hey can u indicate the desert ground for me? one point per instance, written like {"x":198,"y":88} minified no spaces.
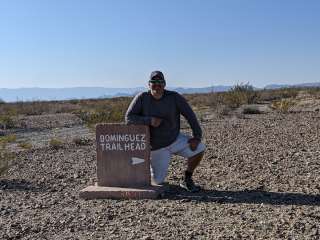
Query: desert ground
{"x":260,"y":178}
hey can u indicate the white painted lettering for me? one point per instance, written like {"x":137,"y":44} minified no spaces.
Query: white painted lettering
{"x":143,"y":146}
{"x":102,"y":146}
{"x":143,"y":137}
{"x":108,"y":147}
{"x":121,"y":138}
{"x":138,"y":147}
{"x":127,"y":146}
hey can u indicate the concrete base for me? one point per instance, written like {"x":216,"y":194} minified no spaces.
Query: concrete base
{"x":97,"y":192}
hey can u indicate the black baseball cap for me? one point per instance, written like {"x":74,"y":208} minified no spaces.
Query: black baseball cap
{"x":157,"y":76}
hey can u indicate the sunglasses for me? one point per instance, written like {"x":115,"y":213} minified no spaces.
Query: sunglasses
{"x":155,"y":81}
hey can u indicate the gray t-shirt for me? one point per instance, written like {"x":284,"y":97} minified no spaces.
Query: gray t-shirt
{"x":169,"y":107}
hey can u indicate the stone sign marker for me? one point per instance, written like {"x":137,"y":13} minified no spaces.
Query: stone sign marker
{"x":123,"y":163}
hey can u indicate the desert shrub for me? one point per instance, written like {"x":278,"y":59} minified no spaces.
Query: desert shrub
{"x":283,"y":105}
{"x":198,"y":100}
{"x":240,"y":94}
{"x":277,"y":94}
{"x":39,"y":107}
{"x":251,"y":110}
{"x":314,"y":92}
{"x":108,"y":115}
{"x":56,"y":143}
{"x":6,"y":122}
{"x":8,"y":139}
{"x":223,"y":110}
{"x":216,"y":100}
{"x":25,"y":145}
{"x":81,"y":141}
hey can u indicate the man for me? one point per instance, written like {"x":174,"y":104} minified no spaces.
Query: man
{"x":160,"y":109}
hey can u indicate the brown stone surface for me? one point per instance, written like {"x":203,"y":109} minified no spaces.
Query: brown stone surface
{"x":97,"y":192}
{"x":123,"y":155}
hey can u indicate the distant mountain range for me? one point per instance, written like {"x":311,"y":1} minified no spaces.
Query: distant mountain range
{"x":277,"y":86}
{"x":34,"y":94}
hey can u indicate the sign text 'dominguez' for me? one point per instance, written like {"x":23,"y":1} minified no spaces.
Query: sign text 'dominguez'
{"x":122,"y":142}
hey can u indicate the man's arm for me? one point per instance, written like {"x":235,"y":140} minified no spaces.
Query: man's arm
{"x":134,"y":112}
{"x":188,"y":113}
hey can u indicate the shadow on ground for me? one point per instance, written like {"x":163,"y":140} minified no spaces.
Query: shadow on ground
{"x":20,"y":185}
{"x":174,"y":192}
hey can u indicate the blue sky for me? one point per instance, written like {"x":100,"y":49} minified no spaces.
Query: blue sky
{"x":196,"y":43}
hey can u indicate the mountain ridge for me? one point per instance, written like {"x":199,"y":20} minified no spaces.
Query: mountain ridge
{"x":49,"y":94}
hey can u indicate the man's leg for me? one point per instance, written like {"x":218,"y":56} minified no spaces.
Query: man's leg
{"x":160,"y":160}
{"x":194,"y":161}
{"x":187,"y":182}
{"x":181,"y":147}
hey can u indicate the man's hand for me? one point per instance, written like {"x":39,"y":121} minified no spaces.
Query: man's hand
{"x":155,"y":122}
{"x":193,"y":143}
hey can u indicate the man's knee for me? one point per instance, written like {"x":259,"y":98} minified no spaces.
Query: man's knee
{"x":200,"y":150}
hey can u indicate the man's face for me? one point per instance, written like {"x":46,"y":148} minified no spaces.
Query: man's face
{"x":156,"y":87}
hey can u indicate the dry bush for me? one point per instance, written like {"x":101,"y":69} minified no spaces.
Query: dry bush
{"x":283,"y":105}
{"x":240,"y":94}
{"x":103,"y":110}
{"x":56,"y":143}
{"x":25,"y":145}
{"x":277,"y":94}
{"x":205,"y":99}
{"x":314,"y":92}
{"x":8,"y":139}
{"x":6,"y":122}
{"x":44,"y":107}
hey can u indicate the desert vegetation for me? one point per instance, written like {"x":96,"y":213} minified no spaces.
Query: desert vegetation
{"x":260,"y":172}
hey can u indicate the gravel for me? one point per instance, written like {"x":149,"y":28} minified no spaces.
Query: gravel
{"x":260,"y":176}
